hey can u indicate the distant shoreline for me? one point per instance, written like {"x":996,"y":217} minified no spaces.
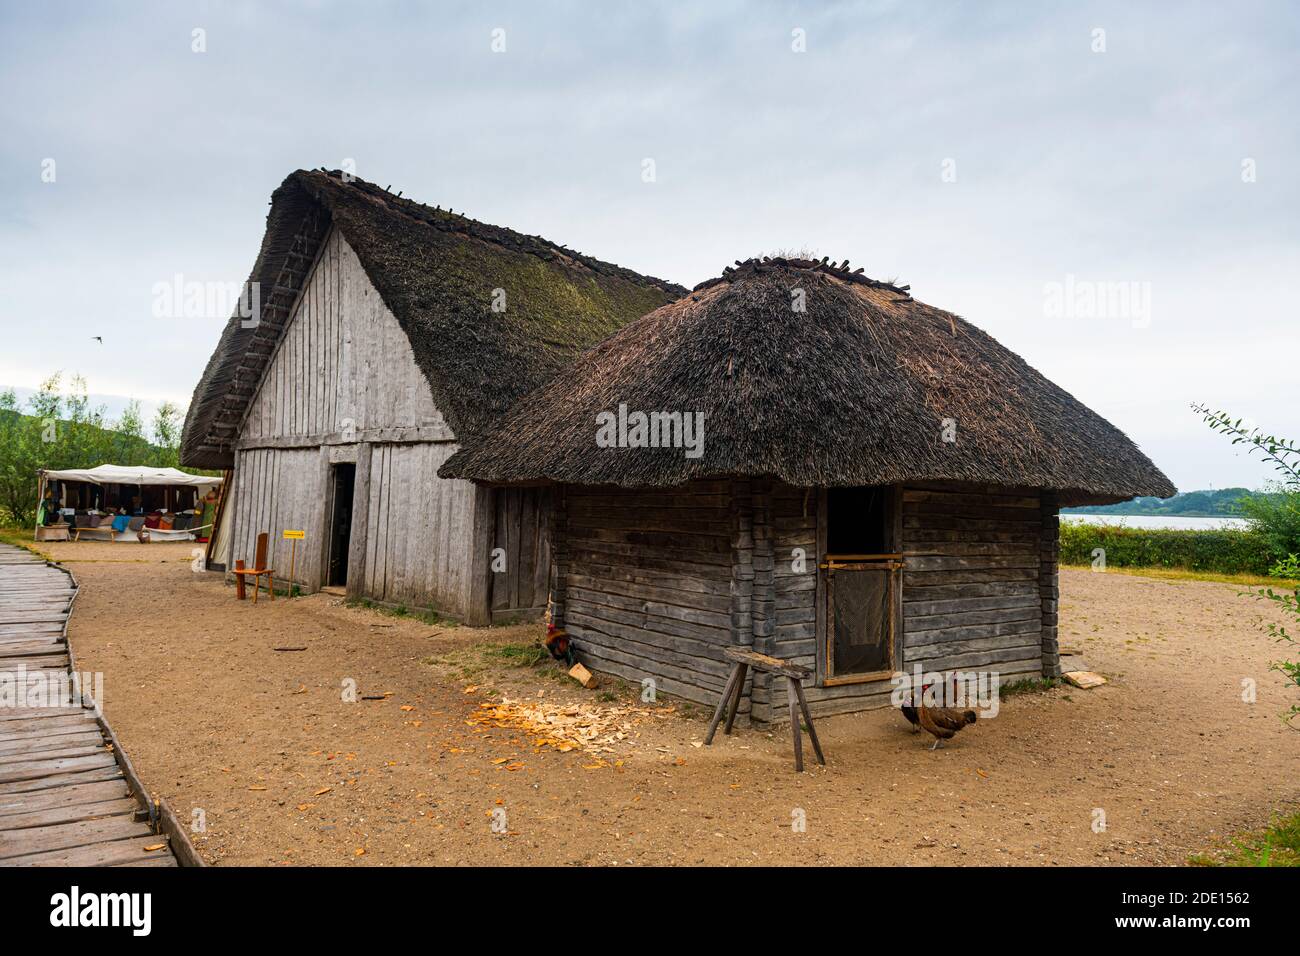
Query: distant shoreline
{"x":1149,"y":514}
{"x":1219,"y":503}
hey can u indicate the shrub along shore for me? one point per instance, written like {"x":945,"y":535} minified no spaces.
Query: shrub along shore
{"x":1218,"y":550}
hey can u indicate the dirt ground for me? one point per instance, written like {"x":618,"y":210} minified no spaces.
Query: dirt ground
{"x":285,"y":771}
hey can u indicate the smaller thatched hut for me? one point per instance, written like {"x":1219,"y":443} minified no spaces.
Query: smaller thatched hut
{"x":801,"y":459}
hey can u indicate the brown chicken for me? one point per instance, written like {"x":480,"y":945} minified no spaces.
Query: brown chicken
{"x":941,"y":722}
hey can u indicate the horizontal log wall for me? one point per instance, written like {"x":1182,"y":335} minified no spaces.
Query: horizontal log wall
{"x":971,"y":586}
{"x":1049,"y":583}
{"x":789,"y":521}
{"x":974,"y":595}
{"x":656,"y":583}
{"x":645,"y":584}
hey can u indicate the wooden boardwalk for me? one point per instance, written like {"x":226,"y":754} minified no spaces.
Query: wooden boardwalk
{"x":68,"y":796}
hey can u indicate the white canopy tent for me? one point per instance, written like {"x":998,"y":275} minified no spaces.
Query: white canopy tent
{"x":133,"y":475}
{"x":130,"y":475}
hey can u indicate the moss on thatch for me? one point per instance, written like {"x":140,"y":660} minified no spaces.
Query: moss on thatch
{"x":854,"y":390}
{"x":437,"y":271}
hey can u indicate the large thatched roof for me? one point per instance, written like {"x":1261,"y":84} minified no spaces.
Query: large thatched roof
{"x":852,"y":391}
{"x":436,"y":271}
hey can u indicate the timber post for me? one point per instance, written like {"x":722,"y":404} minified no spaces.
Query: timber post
{"x":1049,"y":546}
{"x":360,"y":523}
{"x":478,"y":613}
{"x":559,"y":555}
{"x":742,"y":582}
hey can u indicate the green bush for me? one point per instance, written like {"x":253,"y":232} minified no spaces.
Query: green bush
{"x":1288,"y":567}
{"x":1276,"y":519}
{"x":1224,"y":551}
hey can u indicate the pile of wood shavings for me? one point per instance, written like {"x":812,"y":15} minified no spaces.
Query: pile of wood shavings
{"x":566,"y":727}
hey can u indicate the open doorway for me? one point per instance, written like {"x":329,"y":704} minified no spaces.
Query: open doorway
{"x":344,"y":478}
{"x":861,"y":581}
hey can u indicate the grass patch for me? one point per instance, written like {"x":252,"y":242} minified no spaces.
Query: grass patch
{"x":477,"y":662}
{"x":518,"y":655}
{"x":1276,"y":845}
{"x":1185,"y":574}
{"x":22,"y":538}
{"x":1027,"y":685}
{"x":424,"y":615}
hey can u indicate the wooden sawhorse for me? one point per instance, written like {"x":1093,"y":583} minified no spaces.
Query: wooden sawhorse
{"x":742,"y":659}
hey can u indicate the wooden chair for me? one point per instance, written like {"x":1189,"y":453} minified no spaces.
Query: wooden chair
{"x":259,"y":568}
{"x":742,"y":659}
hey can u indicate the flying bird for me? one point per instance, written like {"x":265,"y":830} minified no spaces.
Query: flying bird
{"x":98,"y":338}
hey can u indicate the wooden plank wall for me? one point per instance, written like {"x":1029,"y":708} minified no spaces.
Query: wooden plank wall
{"x":419,"y":529}
{"x":977,"y":590}
{"x":971,"y":589}
{"x":275,"y":489}
{"x":343,"y":361}
{"x":343,"y":377}
{"x":1049,"y":550}
{"x":785,"y":519}
{"x":522,"y":532}
{"x":646,"y":583}
{"x":656,"y":583}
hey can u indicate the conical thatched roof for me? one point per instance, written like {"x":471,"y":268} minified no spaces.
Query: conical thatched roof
{"x":852,"y":391}
{"x":436,"y":271}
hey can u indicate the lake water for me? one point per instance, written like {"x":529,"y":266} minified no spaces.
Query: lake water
{"x":1158,"y":521}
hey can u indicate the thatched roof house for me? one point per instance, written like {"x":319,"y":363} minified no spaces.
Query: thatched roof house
{"x":827,"y":469}
{"x":436,"y":271}
{"x":386,"y":331}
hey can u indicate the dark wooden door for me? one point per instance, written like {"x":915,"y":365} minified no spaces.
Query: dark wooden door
{"x":345,"y":476}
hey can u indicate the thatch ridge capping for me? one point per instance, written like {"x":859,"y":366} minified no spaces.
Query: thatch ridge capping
{"x":448,"y":220}
{"x":825,"y":265}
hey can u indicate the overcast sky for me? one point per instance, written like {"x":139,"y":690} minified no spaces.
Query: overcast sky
{"x":1007,"y":160}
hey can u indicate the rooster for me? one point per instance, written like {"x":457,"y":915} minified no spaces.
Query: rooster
{"x":558,"y":643}
{"x":942,"y":723}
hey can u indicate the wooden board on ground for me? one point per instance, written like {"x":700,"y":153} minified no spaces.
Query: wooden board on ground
{"x":581,"y":675}
{"x":64,"y":798}
{"x":1085,"y":680}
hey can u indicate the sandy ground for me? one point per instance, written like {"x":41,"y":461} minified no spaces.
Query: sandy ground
{"x":285,"y":771}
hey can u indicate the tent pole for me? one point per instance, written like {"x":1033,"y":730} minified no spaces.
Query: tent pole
{"x":40,"y":496}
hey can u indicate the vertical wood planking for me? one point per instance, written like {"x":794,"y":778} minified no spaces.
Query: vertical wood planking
{"x":343,"y":361}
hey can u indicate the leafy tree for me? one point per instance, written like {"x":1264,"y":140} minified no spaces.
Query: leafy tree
{"x":130,"y":446}
{"x":1284,"y":456}
{"x":60,"y":428}
{"x":167,"y":425}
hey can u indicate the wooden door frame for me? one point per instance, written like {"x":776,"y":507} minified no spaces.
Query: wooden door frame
{"x":331,"y":468}
{"x":894,"y":555}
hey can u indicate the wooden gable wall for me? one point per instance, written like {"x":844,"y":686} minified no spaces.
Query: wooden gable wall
{"x":343,"y":366}
{"x":343,"y":387}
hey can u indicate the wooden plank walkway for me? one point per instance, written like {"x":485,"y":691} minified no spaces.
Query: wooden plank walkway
{"x":65,"y":798}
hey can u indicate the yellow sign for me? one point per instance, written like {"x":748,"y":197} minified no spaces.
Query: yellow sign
{"x":294,"y":534}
